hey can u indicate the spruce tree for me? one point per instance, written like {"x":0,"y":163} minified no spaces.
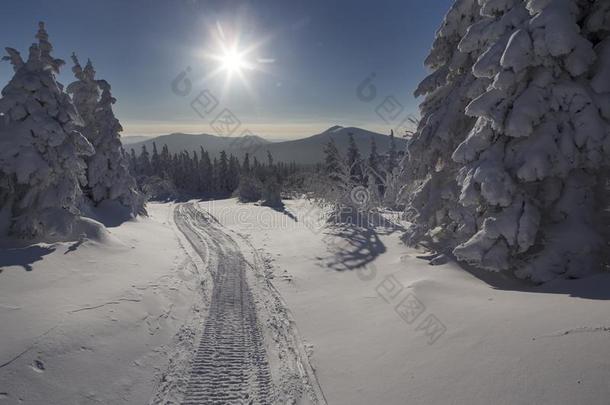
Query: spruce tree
{"x":249,"y":188}
{"x":332,"y":161}
{"x":196,"y":173}
{"x":515,"y":129}
{"x":164,"y":161}
{"x":155,"y":161}
{"x":144,"y":166}
{"x":354,"y":161}
{"x":42,"y":151}
{"x":108,"y":176}
{"x":271,"y":195}
{"x":374,"y":179}
{"x":133,"y":162}
{"x":245,"y":168}
{"x":433,"y":207}
{"x":532,"y":163}
{"x":373,"y":160}
{"x":233,"y":173}
{"x":216,"y":180}
{"x":223,"y":173}
{"x":392,"y":154}
{"x":207,"y":173}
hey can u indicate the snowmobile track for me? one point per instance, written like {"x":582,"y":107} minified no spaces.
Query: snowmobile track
{"x":230,"y":366}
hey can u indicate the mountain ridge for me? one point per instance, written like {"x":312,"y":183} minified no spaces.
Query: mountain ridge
{"x":308,"y":150}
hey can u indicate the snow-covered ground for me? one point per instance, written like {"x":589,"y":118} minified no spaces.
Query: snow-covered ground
{"x":119,"y":321}
{"x":95,"y":323}
{"x":401,"y":331}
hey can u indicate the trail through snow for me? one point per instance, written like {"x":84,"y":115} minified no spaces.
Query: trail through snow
{"x":232,"y":363}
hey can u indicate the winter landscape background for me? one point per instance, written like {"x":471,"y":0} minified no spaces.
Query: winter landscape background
{"x":307,"y":203}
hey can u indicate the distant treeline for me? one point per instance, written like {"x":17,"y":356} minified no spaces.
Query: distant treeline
{"x":169,"y":175}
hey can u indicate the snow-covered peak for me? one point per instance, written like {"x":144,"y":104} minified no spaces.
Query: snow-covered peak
{"x":335,"y":128}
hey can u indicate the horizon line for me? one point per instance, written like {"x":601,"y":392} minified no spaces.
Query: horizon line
{"x":278,"y":132}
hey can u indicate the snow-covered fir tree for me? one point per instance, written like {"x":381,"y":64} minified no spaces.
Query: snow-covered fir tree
{"x":108,"y":176}
{"x":392,"y":154}
{"x":533,"y":160}
{"x":529,"y":167}
{"x":249,"y":188}
{"x":155,"y":160}
{"x":234,"y":168}
{"x":224,"y":182}
{"x":354,"y":160}
{"x":374,"y":177}
{"x":207,"y":172}
{"x":41,"y":148}
{"x":332,"y":160}
{"x":271,"y":195}
{"x":143,"y":163}
{"x":245,"y":168}
{"x":431,"y":173}
{"x":133,"y":162}
{"x":373,"y":159}
{"x":269,"y":160}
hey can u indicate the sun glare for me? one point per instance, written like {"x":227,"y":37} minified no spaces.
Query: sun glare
{"x":233,"y":61}
{"x":234,"y":56}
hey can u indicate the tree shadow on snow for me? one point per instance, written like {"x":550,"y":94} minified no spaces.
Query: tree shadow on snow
{"x":73,"y":247}
{"x":282,"y":209}
{"x":354,"y":238}
{"x":23,"y":256}
{"x":594,"y":287}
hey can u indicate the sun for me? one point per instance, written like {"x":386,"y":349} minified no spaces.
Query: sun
{"x":233,"y":61}
{"x":235,"y":56}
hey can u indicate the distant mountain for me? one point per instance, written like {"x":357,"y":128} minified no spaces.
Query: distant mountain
{"x":310,"y":150}
{"x":177,"y":142}
{"x":128,"y":140}
{"x":303,"y":151}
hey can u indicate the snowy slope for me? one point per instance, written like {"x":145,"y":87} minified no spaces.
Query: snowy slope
{"x":98,"y":323}
{"x":95,"y":323}
{"x":506,"y":342}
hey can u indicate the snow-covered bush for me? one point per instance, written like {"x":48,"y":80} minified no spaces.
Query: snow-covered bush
{"x":159,"y":188}
{"x":343,"y":196}
{"x":391,"y":190}
{"x":249,"y":189}
{"x":530,"y":166}
{"x":271,"y":195}
{"x":108,"y":168}
{"x":41,"y":148}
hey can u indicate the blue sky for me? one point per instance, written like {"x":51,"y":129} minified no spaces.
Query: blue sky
{"x":310,"y":58}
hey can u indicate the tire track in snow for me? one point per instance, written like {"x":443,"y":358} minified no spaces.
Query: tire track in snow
{"x":231,"y":365}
